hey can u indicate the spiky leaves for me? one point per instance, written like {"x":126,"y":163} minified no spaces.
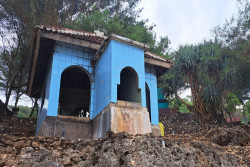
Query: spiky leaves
{"x":210,"y":73}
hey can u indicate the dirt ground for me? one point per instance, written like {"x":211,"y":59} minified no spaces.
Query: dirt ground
{"x":216,"y":147}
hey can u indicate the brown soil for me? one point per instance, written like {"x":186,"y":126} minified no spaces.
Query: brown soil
{"x":229,"y":137}
{"x":219,"y":147}
{"x":19,"y":127}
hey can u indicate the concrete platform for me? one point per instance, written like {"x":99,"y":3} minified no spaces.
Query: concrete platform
{"x":121,"y":117}
{"x":124,"y":116}
{"x":67,"y":126}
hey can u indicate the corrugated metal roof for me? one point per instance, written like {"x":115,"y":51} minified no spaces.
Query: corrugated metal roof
{"x":84,"y":35}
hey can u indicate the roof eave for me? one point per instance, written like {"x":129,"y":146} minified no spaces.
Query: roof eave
{"x":67,"y":39}
{"x":154,"y":62}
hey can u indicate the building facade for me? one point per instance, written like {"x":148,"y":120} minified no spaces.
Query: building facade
{"x":89,"y":84}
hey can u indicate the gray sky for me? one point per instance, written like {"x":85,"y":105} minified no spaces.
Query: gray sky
{"x":187,"y":21}
{"x":183,"y":21}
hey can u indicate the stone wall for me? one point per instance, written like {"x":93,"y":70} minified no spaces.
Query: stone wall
{"x":20,"y":149}
{"x":181,"y":123}
{"x":115,"y":150}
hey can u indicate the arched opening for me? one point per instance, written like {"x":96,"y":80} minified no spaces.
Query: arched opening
{"x":74,"y":98}
{"x":148,"y":99}
{"x":128,"y":88}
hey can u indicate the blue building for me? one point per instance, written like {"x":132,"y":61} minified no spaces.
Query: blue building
{"x":89,"y":84}
{"x":162,"y":103}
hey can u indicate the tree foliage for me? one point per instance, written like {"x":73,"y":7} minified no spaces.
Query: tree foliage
{"x":109,"y":23}
{"x":213,"y":70}
{"x":17,"y":20}
{"x":208,"y":70}
{"x":232,"y":102}
{"x":235,"y":34}
{"x":24,"y":112}
{"x":176,"y":103}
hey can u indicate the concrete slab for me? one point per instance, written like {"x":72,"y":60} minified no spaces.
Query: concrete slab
{"x":66,"y":126}
{"x":122,"y":117}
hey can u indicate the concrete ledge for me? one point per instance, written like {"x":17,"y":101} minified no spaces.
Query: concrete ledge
{"x":132,"y":120}
{"x":73,"y":119}
{"x":70,"y":128}
{"x":122,"y":117}
{"x":101,"y":123}
{"x":126,"y":104}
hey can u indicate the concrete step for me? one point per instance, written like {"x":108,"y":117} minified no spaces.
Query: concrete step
{"x":67,"y":127}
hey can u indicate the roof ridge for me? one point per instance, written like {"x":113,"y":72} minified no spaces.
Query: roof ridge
{"x":69,"y":31}
{"x":100,"y":39}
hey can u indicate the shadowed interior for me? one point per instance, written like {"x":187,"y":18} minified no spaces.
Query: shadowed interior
{"x":74,"y":99}
{"x":128,"y":88}
{"x":148,"y":100}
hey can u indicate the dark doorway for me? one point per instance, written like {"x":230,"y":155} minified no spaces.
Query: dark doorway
{"x":148,"y":99}
{"x":74,"y":98}
{"x":128,"y":88}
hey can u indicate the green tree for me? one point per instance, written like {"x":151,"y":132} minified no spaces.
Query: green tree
{"x":176,"y":103}
{"x":13,"y":70}
{"x":24,"y":112}
{"x":17,"y":20}
{"x":235,"y":35}
{"x":232,"y":102}
{"x":208,"y":71}
{"x":247,"y":107}
{"x":112,"y":23}
{"x":246,"y":111}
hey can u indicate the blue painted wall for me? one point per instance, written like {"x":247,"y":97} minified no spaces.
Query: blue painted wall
{"x":162,"y":103}
{"x":102,"y":81}
{"x":151,"y":80}
{"x":44,"y":100}
{"x":124,"y":55}
{"x":160,"y":94}
{"x":66,"y":55}
{"x":116,"y":57}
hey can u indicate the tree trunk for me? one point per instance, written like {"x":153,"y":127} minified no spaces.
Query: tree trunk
{"x":7,"y":102}
{"x":19,"y":93}
{"x":244,"y":113}
{"x":230,"y":115}
{"x":33,"y":108}
{"x":16,"y":102}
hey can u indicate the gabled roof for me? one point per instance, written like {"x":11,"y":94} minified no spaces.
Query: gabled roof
{"x":95,"y":38}
{"x":82,"y":35}
{"x":44,"y":42}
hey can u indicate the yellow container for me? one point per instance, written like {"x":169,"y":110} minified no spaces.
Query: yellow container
{"x":161,"y":128}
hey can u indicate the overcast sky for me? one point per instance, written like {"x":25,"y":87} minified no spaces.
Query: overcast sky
{"x":183,"y":21}
{"x":187,"y":21}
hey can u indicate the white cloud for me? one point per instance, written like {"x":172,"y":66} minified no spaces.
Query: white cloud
{"x":187,"y":21}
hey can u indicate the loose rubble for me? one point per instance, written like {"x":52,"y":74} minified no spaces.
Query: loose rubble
{"x":229,"y":136}
{"x":125,"y":150}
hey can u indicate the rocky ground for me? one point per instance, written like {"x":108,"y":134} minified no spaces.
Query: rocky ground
{"x":217,"y":147}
